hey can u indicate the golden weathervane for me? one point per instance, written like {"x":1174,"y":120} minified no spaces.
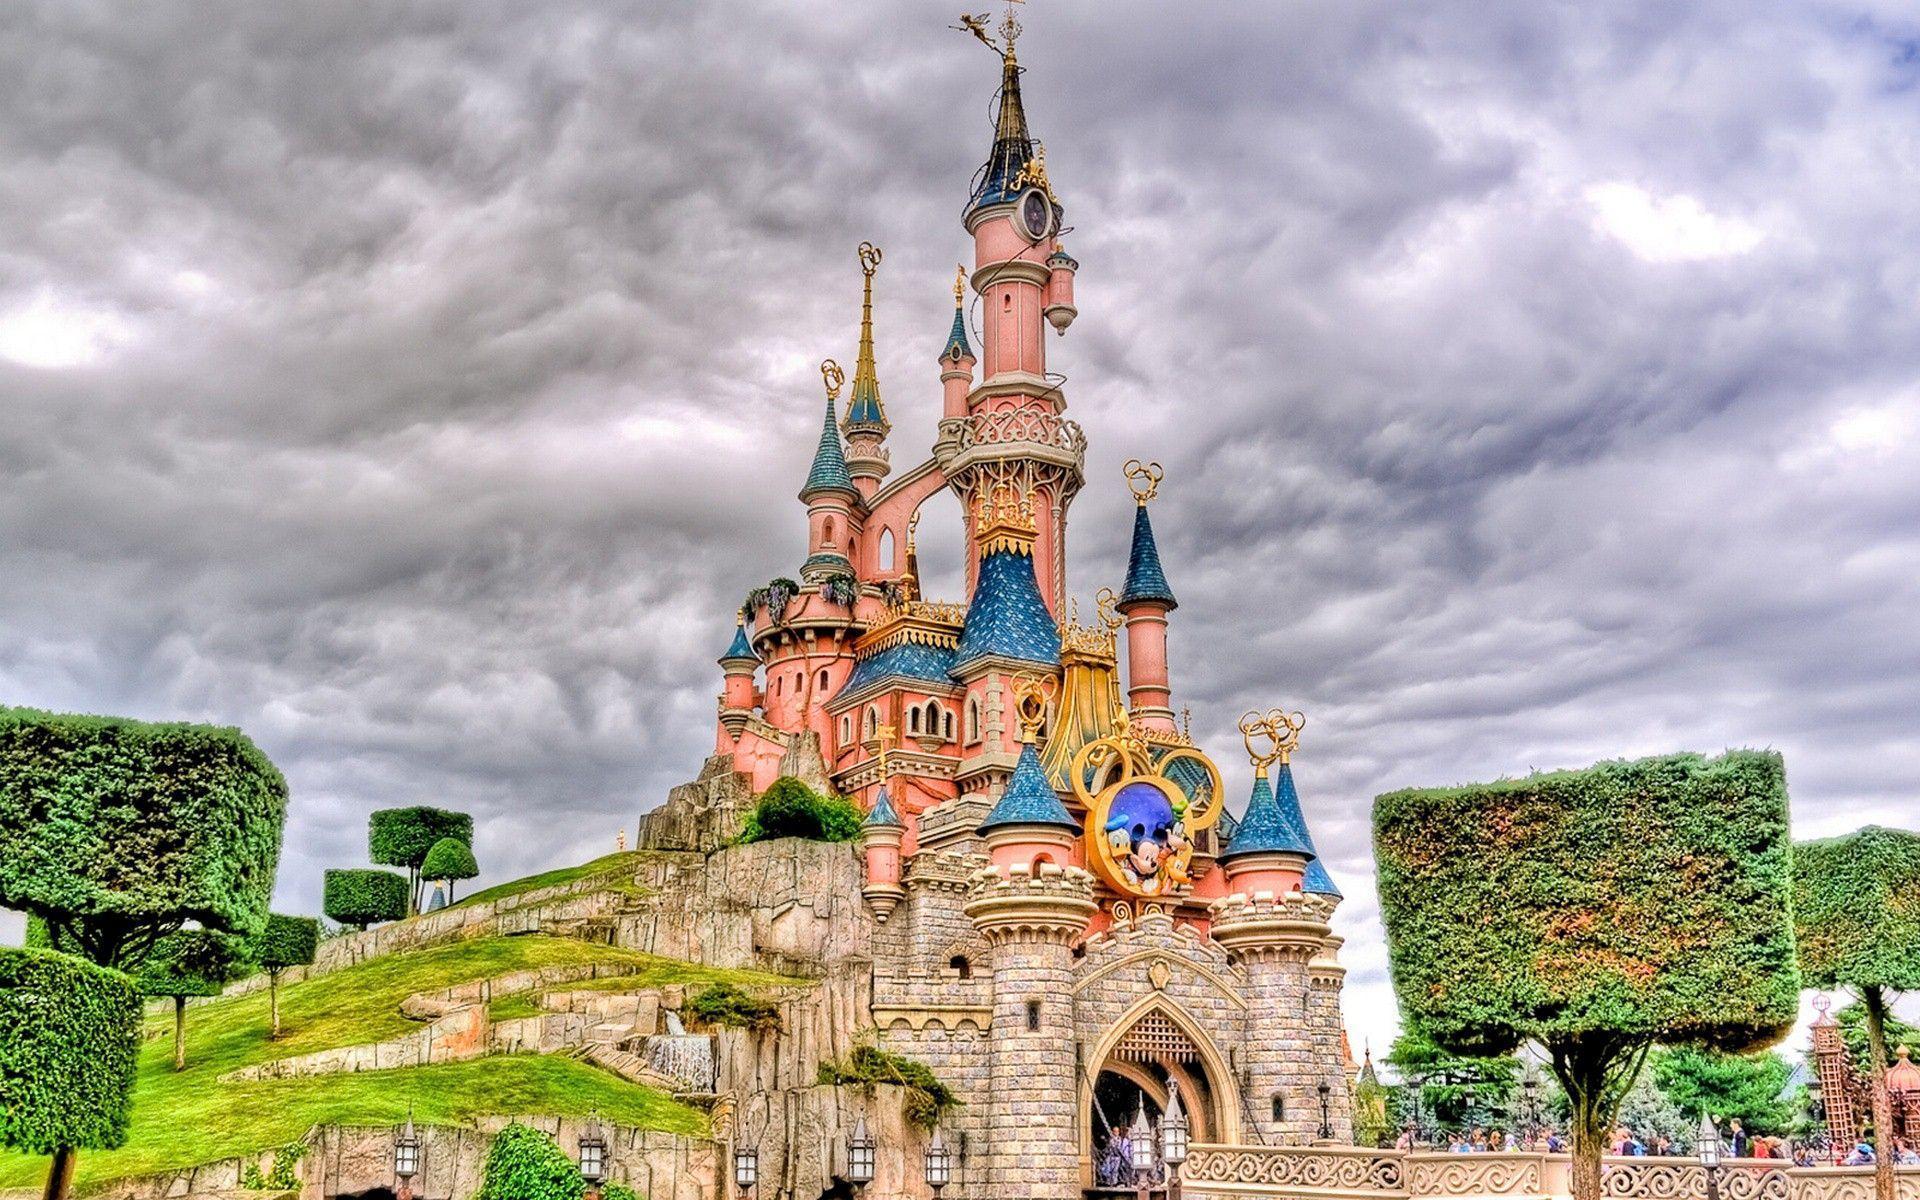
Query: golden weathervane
{"x":1010,"y":30}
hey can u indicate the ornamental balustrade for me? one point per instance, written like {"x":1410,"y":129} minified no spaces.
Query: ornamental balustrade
{"x":1339,"y":1172}
{"x":1014,"y":425}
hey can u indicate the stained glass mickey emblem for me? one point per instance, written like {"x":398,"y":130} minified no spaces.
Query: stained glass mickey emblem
{"x":1141,"y":818}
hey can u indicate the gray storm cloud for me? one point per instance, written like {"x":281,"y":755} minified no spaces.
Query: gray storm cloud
{"x":1536,"y":383}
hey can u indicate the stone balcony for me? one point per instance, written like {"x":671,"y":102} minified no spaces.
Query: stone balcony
{"x":1350,"y":1173}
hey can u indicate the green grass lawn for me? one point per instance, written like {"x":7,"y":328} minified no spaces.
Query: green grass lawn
{"x":655,"y":972}
{"x":184,"y":1119}
{"x":617,"y":867}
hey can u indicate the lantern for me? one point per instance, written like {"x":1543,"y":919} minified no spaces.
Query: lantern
{"x":593,"y":1152}
{"x":746,"y":1168}
{"x":860,"y":1155}
{"x":1173,"y":1131}
{"x":939,"y":1163}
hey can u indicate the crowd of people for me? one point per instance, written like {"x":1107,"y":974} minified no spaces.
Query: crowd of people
{"x":1736,"y":1143}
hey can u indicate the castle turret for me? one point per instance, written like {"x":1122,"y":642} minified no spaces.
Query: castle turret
{"x":1029,"y":826}
{"x":1060,"y":311}
{"x":880,"y":837}
{"x":737,"y":692}
{"x":866,"y":426}
{"x":956,"y":357}
{"x":1270,"y":851}
{"x":829,"y":494}
{"x":1145,"y":602}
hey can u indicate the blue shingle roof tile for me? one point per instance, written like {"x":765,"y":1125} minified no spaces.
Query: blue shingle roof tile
{"x":1029,"y":798}
{"x":1006,"y":616}
{"x":882,"y":815}
{"x":1318,"y":883}
{"x":741,"y":647}
{"x":1145,"y":579}
{"x":829,"y":473}
{"x":957,"y":346}
{"x":1272,"y":823}
{"x":908,"y":660}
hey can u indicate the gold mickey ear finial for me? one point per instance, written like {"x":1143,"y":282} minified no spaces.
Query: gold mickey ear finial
{"x":1144,"y":478}
{"x":1270,"y":737}
{"x":1030,"y":702}
{"x":833,"y":376}
{"x":869,"y":259}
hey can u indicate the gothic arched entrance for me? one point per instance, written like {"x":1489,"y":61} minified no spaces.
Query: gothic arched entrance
{"x":1152,"y":1052}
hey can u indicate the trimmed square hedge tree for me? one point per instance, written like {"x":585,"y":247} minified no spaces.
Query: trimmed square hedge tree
{"x":361,"y":897}
{"x":403,"y":837}
{"x":1596,"y":913}
{"x":117,"y":832}
{"x":69,"y":1037}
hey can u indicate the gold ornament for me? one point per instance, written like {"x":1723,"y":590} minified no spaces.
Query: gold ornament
{"x":1143,"y":478}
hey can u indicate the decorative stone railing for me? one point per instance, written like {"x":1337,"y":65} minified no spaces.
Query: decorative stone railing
{"x":1014,"y":425}
{"x":1338,"y":1171}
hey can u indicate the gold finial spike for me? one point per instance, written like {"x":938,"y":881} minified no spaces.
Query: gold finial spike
{"x":1143,"y":478}
{"x":1270,"y":737}
{"x":1010,"y":28}
{"x":1030,"y":702}
{"x":959,"y":285}
{"x":833,"y":377}
{"x":881,"y":747}
{"x":913,"y":526}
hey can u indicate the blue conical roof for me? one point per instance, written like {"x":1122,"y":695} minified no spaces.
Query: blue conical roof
{"x":1145,"y":580}
{"x":741,"y":647}
{"x":1029,"y":798}
{"x":1006,"y":616}
{"x":1317,"y":882}
{"x":829,"y":471}
{"x":957,"y":346}
{"x":1012,"y":144}
{"x":882,"y":815}
{"x":1272,"y":823}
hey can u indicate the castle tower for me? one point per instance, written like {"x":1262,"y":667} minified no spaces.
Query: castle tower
{"x":956,"y":357}
{"x":1282,"y":939}
{"x":880,"y":837}
{"x":1030,"y":907}
{"x":1145,"y":602}
{"x":866,"y":426}
{"x":1008,"y":634}
{"x":829,"y":494}
{"x":1011,"y":432}
{"x":737,"y":695}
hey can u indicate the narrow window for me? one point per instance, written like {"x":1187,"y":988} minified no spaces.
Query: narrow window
{"x":913,"y":720}
{"x":973,"y":719}
{"x":1033,"y":1016}
{"x":961,"y":966}
{"x":823,"y":679}
{"x":886,"y":549}
{"x":1279,"y":1107}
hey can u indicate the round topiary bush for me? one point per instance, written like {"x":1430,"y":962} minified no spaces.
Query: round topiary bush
{"x":789,"y":808}
{"x":450,"y":859}
{"x":525,"y":1164}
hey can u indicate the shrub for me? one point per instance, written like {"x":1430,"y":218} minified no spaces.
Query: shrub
{"x":927,"y":1098}
{"x":1594,"y":912}
{"x":449,"y":860}
{"x":726,"y":1004}
{"x":279,"y":1178}
{"x":69,"y":1035}
{"x":402,"y":837}
{"x":525,"y":1164}
{"x":360,"y":898}
{"x":618,"y":1191}
{"x":790,"y":808}
{"x":117,"y":832}
{"x":193,"y":962}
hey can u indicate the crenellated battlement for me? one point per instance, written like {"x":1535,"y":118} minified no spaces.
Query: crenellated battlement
{"x":1020,"y":904}
{"x":1291,"y":926}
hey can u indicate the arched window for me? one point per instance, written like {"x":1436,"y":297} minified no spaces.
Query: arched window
{"x":973,"y":719}
{"x":913,"y":720}
{"x":778,"y":681}
{"x":846,"y":729}
{"x":1033,"y":1016}
{"x":886,"y":550}
{"x":946,"y":724}
{"x":1279,"y":1107}
{"x":933,"y":717}
{"x":961,"y":967}
{"x":870,"y":725}
{"x":821,"y":683}
{"x":826,"y":532}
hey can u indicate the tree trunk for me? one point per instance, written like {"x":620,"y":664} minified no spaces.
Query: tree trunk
{"x":1595,"y":1075}
{"x":273,"y":1003}
{"x":413,"y":890}
{"x":1882,"y":1108}
{"x":60,"y":1175}
{"x":179,"y":1033}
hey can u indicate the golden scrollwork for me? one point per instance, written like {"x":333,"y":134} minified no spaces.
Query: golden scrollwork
{"x":1143,"y":478}
{"x":869,"y":259}
{"x":1032,"y":697}
{"x":833,"y":377}
{"x":1105,"y":603}
{"x":1271,"y":736}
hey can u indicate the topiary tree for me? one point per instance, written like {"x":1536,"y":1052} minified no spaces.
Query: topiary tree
{"x":789,"y":808}
{"x":69,"y":1036}
{"x":402,"y":837}
{"x":361,"y":898}
{"x":116,"y":833}
{"x":1752,"y":1087}
{"x":1595,"y":913}
{"x":450,"y":859}
{"x":525,"y":1164}
{"x":284,"y":942}
{"x":193,"y":962}
{"x":1857,"y":914}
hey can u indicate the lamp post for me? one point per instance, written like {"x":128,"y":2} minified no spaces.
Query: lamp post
{"x":939,"y":1164}
{"x":1140,"y":1144}
{"x":1530,"y":1088}
{"x":593,"y":1155}
{"x":860,"y":1155}
{"x":406,"y":1157}
{"x":1173,"y":1140}
{"x":1707,"y":1146}
{"x":1326,"y":1112}
{"x":746,"y":1169}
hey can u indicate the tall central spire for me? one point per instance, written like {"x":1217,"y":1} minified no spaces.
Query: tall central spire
{"x":1012,"y":143}
{"x":865,"y":413}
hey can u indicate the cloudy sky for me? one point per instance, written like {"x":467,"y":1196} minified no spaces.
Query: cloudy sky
{"x":419,"y":386}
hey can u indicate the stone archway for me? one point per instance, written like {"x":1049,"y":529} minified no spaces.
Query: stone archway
{"x":1154,"y":1049}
